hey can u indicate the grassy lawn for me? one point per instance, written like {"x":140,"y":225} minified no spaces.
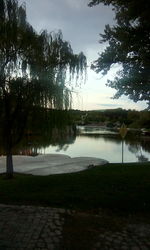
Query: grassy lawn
{"x":113,"y":186}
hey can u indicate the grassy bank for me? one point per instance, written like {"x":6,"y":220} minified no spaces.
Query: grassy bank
{"x":113,"y":186}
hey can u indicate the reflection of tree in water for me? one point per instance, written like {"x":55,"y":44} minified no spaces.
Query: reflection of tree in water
{"x":63,"y":138}
{"x":108,"y":138}
{"x":142,"y":158}
{"x":136,"y":147}
{"x":62,"y":147}
{"x":114,"y":139}
{"x":145,"y":143}
{"x":58,"y":137}
{"x":31,"y":145}
{"x":46,"y":128}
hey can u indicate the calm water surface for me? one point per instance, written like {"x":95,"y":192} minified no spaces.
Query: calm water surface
{"x":96,"y":143}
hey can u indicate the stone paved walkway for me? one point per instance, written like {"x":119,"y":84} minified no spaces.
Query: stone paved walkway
{"x":132,"y":237}
{"x":35,"y":228}
{"x":24,"y":227}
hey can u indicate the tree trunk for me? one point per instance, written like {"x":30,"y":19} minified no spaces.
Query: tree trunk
{"x":9,"y":165}
{"x":8,"y":147}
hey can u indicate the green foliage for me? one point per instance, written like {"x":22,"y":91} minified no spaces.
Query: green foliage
{"x":38,"y":62}
{"x":34,"y":69}
{"x":132,"y":118}
{"x":129,"y":46}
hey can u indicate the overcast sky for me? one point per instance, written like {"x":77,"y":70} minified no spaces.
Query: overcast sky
{"x":80,"y":26}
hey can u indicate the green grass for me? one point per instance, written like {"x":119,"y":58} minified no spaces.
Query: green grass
{"x":113,"y":186}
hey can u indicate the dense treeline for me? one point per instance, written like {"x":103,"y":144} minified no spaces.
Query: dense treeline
{"x":113,"y":117}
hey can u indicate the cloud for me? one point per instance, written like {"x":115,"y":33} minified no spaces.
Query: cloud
{"x":74,"y":4}
{"x":109,"y":105}
{"x":80,"y":24}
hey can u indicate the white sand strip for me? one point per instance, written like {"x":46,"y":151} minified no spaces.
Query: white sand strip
{"x":50,"y":164}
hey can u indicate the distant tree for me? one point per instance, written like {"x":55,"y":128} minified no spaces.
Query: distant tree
{"x":129,"y":46}
{"x":133,"y":118}
{"x":144,"y":120}
{"x":33,"y":72}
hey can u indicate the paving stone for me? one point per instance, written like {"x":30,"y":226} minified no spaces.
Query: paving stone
{"x":135,"y":248}
{"x":33,"y":228}
{"x":124,"y":248}
{"x":144,"y":248}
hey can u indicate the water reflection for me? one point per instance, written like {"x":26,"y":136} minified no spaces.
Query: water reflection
{"x":138,"y":149}
{"x":107,"y":138}
{"x":136,"y":145}
{"x":106,"y":145}
{"x":101,"y":147}
{"x":33,"y":144}
{"x":97,"y":130}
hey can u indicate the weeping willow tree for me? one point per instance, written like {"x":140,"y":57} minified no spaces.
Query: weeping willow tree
{"x":33,"y":72}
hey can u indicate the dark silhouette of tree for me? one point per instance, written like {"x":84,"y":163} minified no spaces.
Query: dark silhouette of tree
{"x":129,"y":46}
{"x":33,"y":72}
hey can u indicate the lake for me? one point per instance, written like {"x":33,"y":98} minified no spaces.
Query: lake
{"x":103,"y":143}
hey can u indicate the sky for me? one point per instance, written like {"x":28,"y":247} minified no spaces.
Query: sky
{"x":81,"y":26}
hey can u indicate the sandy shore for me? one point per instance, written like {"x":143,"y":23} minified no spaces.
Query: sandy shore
{"x":50,"y":164}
